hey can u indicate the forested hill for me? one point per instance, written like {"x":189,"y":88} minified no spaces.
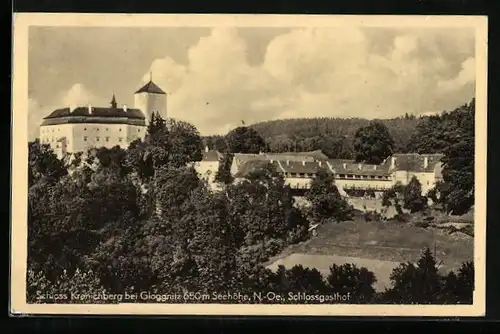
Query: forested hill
{"x":334,"y":136}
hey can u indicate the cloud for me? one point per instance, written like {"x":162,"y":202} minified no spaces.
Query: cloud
{"x":76,"y":95}
{"x":308,"y":72}
{"x":316,"y":72}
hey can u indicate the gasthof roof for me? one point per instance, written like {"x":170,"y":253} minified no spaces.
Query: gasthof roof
{"x":300,"y":167}
{"x":211,"y":155}
{"x":250,"y":166}
{"x":357,"y":168}
{"x":414,"y":162}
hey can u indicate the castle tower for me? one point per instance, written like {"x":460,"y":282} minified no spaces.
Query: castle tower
{"x":150,"y":98}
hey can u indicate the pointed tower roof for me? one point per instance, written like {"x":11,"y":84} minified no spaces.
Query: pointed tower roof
{"x":113,"y":101}
{"x":150,"y":87}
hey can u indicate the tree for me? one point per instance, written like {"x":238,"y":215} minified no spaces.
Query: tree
{"x":458,"y":161}
{"x":325,"y":199}
{"x":348,"y":279}
{"x":459,"y":287}
{"x":185,"y":142}
{"x":223,"y":174}
{"x":416,"y":284}
{"x":373,"y":143}
{"x":264,"y":212}
{"x":394,"y":196}
{"x":43,"y":163}
{"x":300,"y":279}
{"x":245,"y":140}
{"x":412,"y":196}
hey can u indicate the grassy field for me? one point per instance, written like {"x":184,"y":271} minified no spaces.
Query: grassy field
{"x":389,"y":243}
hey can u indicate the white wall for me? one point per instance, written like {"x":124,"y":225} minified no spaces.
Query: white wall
{"x":158,"y":103}
{"x":427,"y":180}
{"x":82,"y":136}
{"x":141,"y":102}
{"x":49,"y":134}
{"x":299,"y":183}
{"x":135,"y":132}
{"x":207,"y":170}
{"x":148,"y":103}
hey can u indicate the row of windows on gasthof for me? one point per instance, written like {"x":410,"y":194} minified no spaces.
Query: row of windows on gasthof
{"x":84,"y":129}
{"x":341,"y":176}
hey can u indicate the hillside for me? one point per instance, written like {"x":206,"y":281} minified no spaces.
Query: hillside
{"x":334,"y":136}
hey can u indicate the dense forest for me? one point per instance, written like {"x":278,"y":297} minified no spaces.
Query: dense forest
{"x":334,"y":136}
{"x":140,"y":219}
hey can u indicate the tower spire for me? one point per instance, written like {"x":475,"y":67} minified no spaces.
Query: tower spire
{"x":150,"y":76}
{"x":113,"y":101}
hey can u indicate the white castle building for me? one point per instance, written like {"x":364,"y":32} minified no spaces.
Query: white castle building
{"x":77,"y":129}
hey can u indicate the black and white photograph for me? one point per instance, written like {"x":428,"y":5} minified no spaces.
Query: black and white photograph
{"x":249,"y":164}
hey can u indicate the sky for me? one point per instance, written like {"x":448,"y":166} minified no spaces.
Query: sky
{"x":217,"y":78}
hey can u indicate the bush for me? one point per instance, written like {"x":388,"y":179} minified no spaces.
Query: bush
{"x":78,"y":288}
{"x":422,"y":284}
{"x":349,"y":279}
{"x":423,"y":224}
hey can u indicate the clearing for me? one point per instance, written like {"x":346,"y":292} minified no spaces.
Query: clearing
{"x":378,"y":246}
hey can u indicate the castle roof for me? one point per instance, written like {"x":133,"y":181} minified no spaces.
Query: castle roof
{"x":97,"y":112}
{"x":151,"y":88}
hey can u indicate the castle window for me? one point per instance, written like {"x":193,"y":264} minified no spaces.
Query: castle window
{"x":97,"y":129}
{"x":138,"y":130}
{"x":120,"y":129}
{"x":97,"y":138}
{"x":85,"y":138}
{"x":84,"y":129}
{"x":106,"y":129}
{"x":107,"y":138}
{"x":120,"y":139}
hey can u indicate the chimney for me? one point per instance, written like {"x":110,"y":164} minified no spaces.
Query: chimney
{"x":344,"y":165}
{"x":319,"y":163}
{"x":359,"y":166}
{"x":206,"y":148}
{"x":393,"y":162}
{"x":288,"y":162}
{"x":303,"y":162}
{"x":426,"y":162}
{"x":125,"y":107}
{"x":374,"y":167}
{"x":90,"y":109}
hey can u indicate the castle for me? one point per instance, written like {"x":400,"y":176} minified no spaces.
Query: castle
{"x":77,"y":129}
